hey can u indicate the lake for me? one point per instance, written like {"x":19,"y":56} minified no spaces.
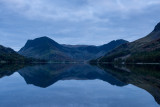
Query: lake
{"x":79,"y":85}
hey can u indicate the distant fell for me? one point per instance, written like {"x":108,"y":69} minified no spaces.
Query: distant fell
{"x":48,"y":49}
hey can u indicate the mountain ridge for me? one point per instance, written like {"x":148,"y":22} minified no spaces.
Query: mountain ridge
{"x":48,"y":49}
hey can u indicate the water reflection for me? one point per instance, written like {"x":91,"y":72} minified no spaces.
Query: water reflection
{"x":46,"y":75}
{"x":7,"y":70}
{"x":144,"y":76}
{"x":43,"y":76}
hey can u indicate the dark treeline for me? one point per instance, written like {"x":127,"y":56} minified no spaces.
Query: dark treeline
{"x":15,"y":58}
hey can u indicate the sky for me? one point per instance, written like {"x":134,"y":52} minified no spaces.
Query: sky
{"x":90,"y":22}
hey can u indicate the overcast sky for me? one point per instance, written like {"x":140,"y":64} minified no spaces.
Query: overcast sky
{"x":94,"y":22}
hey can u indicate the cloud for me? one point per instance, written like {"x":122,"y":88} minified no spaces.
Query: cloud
{"x":76,"y":21}
{"x":48,"y":10}
{"x":74,"y":10}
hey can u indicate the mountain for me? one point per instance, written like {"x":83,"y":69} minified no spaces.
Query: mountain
{"x":43,"y":48}
{"x":144,"y":50}
{"x":8,"y":55}
{"x":48,"y":49}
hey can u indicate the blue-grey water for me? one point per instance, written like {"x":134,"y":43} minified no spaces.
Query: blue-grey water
{"x":77,"y":85}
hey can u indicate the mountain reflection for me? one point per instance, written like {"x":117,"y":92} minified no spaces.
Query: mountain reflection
{"x":46,"y":75}
{"x":146,"y":77}
{"x":9,"y":69}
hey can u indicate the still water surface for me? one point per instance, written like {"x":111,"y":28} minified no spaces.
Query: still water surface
{"x":80,"y":85}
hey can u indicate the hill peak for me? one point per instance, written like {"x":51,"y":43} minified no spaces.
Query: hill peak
{"x":43,"y":40}
{"x":41,"y":43}
{"x":157,"y":27}
{"x":43,"y":37}
{"x":118,"y":41}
